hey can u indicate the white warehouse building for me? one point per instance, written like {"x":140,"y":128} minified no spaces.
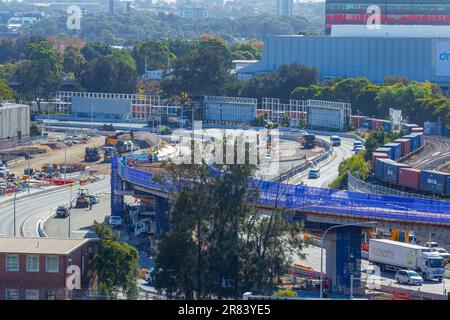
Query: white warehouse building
{"x":14,"y":121}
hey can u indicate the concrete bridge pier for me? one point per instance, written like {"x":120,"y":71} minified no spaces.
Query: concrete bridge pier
{"x":343,"y":256}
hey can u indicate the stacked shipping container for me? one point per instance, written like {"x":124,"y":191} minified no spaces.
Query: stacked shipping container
{"x":405,"y":146}
{"x":434,"y":181}
{"x":396,"y":150}
{"x":357,"y":121}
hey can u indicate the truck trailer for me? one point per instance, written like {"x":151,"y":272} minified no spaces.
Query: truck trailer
{"x":394,"y":255}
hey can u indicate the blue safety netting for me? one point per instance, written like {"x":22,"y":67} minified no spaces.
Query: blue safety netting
{"x":326,"y":201}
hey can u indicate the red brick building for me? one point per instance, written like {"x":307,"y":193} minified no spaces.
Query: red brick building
{"x":36,"y":268}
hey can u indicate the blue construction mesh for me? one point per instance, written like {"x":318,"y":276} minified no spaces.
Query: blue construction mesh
{"x":326,"y":201}
{"x":117,"y":201}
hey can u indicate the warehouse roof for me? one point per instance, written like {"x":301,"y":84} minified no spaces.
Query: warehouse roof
{"x":58,"y":246}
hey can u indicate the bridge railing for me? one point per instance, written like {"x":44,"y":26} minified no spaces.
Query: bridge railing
{"x":327,"y":201}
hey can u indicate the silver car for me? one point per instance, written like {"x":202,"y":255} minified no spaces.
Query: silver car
{"x":408,"y":277}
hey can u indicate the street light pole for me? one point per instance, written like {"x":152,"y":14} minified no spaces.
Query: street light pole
{"x":15,"y":194}
{"x":321,"y":247}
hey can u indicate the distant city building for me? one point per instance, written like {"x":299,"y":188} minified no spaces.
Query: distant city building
{"x":238,"y":65}
{"x":24,"y":19}
{"x":39,"y":268}
{"x":14,"y":121}
{"x":398,"y":12}
{"x":193,"y":12}
{"x":285,"y":7}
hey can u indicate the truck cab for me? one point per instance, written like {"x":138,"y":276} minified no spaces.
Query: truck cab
{"x":432,"y":266}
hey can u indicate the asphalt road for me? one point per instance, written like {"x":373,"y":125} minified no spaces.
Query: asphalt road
{"x":81,"y":220}
{"x":387,"y":278}
{"x":29,"y":210}
{"x":329,"y":167}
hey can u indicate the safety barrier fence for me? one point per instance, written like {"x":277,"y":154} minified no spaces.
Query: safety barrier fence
{"x":357,"y":185}
{"x":322,"y":201}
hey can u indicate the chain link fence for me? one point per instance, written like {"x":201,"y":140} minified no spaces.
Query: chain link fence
{"x":357,"y":185}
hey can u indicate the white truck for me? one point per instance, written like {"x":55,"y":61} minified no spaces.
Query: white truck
{"x":394,"y":255}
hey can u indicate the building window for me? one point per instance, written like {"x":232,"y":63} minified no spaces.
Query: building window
{"x":12,"y":263}
{"x":51,"y":295}
{"x":32,"y":263}
{"x":32,"y":295}
{"x":52,"y":264}
{"x":11,"y":294}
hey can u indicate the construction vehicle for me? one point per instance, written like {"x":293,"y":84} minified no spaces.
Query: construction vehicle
{"x":108,"y":154}
{"x":91,"y":155}
{"x":83,"y":198}
{"x":124,"y":146}
{"x":309,"y":141}
{"x":145,"y":227}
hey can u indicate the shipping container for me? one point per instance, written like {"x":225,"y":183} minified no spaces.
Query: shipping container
{"x":405,"y":146}
{"x":417,"y":130}
{"x":388,"y":151}
{"x":357,"y":121}
{"x":387,"y":126}
{"x":390,"y":171}
{"x":379,"y":163}
{"x":409,"y":177}
{"x":397,"y":147}
{"x":378,"y":155}
{"x":415,"y":141}
{"x":433,"y":181}
{"x":408,"y":127}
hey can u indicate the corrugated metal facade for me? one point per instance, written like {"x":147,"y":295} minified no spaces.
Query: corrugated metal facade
{"x":351,"y":57}
{"x":14,"y":120}
{"x":85,"y":106}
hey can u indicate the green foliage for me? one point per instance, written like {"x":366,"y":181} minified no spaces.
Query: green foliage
{"x":286,"y":293}
{"x":153,"y":54}
{"x":6,"y":92}
{"x":35,"y":130}
{"x":281,"y":82}
{"x":111,"y":73}
{"x":40,"y":75}
{"x":418,"y":101}
{"x":73,"y":61}
{"x":116,"y":263}
{"x":356,"y":165}
{"x":126,"y":29}
{"x":219,"y":246}
{"x":202,"y":72}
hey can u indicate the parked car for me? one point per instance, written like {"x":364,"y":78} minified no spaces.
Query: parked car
{"x":408,"y":277}
{"x":62,"y":211}
{"x":314,"y":173}
{"x":115,"y":221}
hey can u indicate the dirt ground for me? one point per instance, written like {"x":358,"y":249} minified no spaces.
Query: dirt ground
{"x":75,"y":154}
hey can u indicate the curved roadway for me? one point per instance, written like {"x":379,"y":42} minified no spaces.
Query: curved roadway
{"x":328,"y":168}
{"x":30,"y":209}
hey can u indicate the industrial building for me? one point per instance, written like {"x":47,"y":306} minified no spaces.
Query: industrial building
{"x":111,"y":105}
{"x":14,"y":121}
{"x":398,"y":12}
{"x":316,"y":114}
{"x":229,"y":109}
{"x":418,"y":58}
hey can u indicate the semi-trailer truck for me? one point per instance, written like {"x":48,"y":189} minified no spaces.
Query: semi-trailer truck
{"x":394,"y":255}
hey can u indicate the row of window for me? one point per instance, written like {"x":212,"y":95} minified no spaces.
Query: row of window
{"x":30,"y":294}
{"x":32,"y":263}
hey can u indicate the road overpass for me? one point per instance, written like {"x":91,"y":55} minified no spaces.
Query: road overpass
{"x":312,"y":205}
